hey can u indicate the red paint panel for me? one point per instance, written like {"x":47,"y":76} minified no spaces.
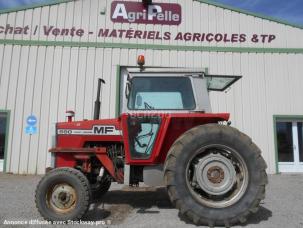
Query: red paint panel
{"x":65,"y":160}
{"x":172,"y":126}
{"x":79,"y":141}
{"x":176,"y":128}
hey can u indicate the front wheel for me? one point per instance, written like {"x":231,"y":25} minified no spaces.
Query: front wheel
{"x":63,"y":194}
{"x":100,"y":188}
{"x":215,"y":175}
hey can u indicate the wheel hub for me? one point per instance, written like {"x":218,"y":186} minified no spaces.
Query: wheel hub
{"x":215,"y":174}
{"x":62,"y":198}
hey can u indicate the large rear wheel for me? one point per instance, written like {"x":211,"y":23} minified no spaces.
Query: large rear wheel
{"x":63,"y":194}
{"x":215,"y":175}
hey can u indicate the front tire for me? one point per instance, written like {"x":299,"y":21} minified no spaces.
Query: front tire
{"x":100,"y":189}
{"x":63,"y":194}
{"x":215,"y":175}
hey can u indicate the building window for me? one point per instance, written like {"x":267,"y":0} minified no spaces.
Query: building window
{"x":3,"y":137}
{"x":289,"y":142}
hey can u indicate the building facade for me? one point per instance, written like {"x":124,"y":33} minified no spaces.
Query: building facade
{"x":51,"y":56}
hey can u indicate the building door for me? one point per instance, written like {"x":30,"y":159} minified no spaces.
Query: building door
{"x":3,"y":137}
{"x":290,"y":145}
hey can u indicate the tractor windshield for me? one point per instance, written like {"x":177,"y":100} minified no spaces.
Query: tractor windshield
{"x":161,"y":93}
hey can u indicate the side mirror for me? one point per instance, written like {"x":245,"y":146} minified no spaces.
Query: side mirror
{"x":127,"y":89}
{"x":139,"y":101}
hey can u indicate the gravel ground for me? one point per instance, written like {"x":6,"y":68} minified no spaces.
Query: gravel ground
{"x":150,"y":207}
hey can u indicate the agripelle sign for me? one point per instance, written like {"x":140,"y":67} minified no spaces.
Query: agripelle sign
{"x":136,"y":12}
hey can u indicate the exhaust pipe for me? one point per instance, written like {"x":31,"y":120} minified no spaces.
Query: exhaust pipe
{"x":97,"y":102}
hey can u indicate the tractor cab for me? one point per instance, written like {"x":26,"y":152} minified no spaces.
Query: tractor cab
{"x":170,"y":89}
{"x":152,"y":96}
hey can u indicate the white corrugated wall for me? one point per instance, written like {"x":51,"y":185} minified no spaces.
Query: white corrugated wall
{"x":47,"y":80}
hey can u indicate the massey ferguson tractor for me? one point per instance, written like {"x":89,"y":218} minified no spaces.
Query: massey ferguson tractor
{"x":165,"y":136}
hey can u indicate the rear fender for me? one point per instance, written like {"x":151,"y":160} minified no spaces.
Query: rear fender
{"x":173,"y":125}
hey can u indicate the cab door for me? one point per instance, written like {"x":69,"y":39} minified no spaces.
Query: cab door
{"x":142,"y":136}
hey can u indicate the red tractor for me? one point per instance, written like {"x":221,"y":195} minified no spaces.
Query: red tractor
{"x":166,"y":135}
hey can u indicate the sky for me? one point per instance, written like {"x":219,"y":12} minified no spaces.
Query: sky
{"x":288,"y":10}
{"x":5,"y":4}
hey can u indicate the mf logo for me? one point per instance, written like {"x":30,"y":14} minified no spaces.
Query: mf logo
{"x":103,"y":130}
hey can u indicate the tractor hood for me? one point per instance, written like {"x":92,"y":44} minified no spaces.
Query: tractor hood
{"x":76,"y":133}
